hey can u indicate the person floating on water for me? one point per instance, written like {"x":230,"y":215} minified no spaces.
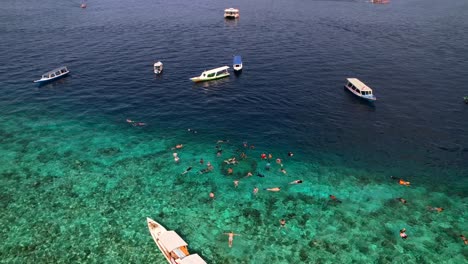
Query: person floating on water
{"x":403,"y":201}
{"x":212,"y":195}
{"x":249,"y":174}
{"x":403,"y":233}
{"x":260,"y":175}
{"x":255,"y":191}
{"x":267,"y":166}
{"x":134,"y":123}
{"x":231,"y":237}
{"x":283,"y":170}
{"x":201,"y":161}
{"x":263,"y":156}
{"x":187,"y":170}
{"x":236,"y":183}
{"x":230,"y":171}
{"x":275,"y":189}
{"x":192,"y":130}
{"x":282,"y":223}
{"x":465,"y":240}
{"x":438,"y":209}
{"x":296,"y":182}
{"x":333,"y":198}
{"x":176,"y":158}
{"x":401,"y":181}
{"x":178,"y":146}
{"x":290,"y":154}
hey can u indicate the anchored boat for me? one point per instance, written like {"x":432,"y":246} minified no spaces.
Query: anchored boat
{"x":231,"y":13}
{"x":173,"y":247}
{"x":359,"y":89}
{"x":213,"y":74}
{"x":237,"y":63}
{"x":158,"y":67}
{"x":53,"y":75}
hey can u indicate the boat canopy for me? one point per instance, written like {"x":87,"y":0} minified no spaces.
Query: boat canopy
{"x":216,"y":70}
{"x":171,"y":240}
{"x":56,"y":70}
{"x":192,"y":259}
{"x":237,"y":59}
{"x":231,"y":10}
{"x":358,"y":84}
{"x":158,"y":63}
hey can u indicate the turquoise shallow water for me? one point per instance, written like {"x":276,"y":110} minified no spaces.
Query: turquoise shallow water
{"x":78,"y":181}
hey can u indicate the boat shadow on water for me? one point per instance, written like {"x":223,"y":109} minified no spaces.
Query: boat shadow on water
{"x":212,"y":83}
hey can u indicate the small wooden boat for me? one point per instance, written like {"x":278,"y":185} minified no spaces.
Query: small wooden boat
{"x":231,"y":13}
{"x":213,"y":74}
{"x":173,"y":247}
{"x":359,"y":89}
{"x":53,"y":75}
{"x":237,"y":63}
{"x":158,"y":67}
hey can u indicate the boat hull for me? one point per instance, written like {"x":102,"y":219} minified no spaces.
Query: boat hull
{"x":198,"y":79}
{"x":370,"y":99}
{"x":43,"y":81}
{"x":156,"y":230}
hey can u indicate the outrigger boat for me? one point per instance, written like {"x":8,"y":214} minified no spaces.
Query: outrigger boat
{"x":359,"y":89}
{"x":173,"y":247}
{"x":231,"y":13}
{"x":158,"y":67}
{"x":237,"y":63}
{"x":213,"y":74}
{"x":53,"y":75}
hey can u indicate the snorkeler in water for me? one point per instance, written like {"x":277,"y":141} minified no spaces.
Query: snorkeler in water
{"x":187,"y":170}
{"x":260,"y":175}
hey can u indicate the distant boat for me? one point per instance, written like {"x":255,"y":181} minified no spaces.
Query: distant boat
{"x":53,"y":75}
{"x":237,"y":63}
{"x":213,"y":74}
{"x":359,"y":89}
{"x":231,"y":13}
{"x":173,"y":247}
{"x":158,"y":67}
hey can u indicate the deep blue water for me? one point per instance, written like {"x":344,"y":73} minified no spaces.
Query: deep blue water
{"x":297,"y":55}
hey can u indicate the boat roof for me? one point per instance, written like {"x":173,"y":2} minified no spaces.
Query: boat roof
{"x":231,"y":10}
{"x":237,"y":59}
{"x":217,"y":69}
{"x":192,"y":259}
{"x":171,"y":240}
{"x":158,"y":63}
{"x":358,"y":84}
{"x":55,"y":70}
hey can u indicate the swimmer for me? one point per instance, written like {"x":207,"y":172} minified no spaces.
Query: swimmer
{"x":278,"y":161}
{"x":296,"y":182}
{"x":229,"y":171}
{"x":282,"y":223}
{"x":333,"y":198}
{"x":283,"y":170}
{"x":191,"y":130}
{"x":275,"y":189}
{"x":236,"y":183}
{"x":270,"y":156}
{"x":177,"y":159}
{"x":219,"y":153}
{"x":212,"y":195}
{"x":255,"y":191}
{"x":187,"y":170}
{"x":249,"y":174}
{"x":222,"y":141}
{"x":201,"y":161}
{"x":400,"y":181}
{"x":267,"y":166}
{"x":438,"y":209}
{"x":260,"y":175}
{"x":403,"y":233}
{"x":465,"y":240}
{"x":245,"y":144}
{"x":263,"y":156}
{"x":290,"y":154}
{"x":138,"y":124}
{"x":243,"y":155}
{"x":401,"y":200}
{"x":174,"y":154}
{"x":130,"y":121}
{"x":231,"y":237}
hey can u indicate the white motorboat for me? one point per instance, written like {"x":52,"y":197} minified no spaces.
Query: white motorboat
{"x":213,"y":74}
{"x":231,"y":13}
{"x":359,"y":89}
{"x":173,"y":247}
{"x":53,"y":75}
{"x":158,"y":67}
{"x":237,"y":63}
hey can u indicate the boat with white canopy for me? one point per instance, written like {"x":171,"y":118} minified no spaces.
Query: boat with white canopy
{"x":213,"y":74}
{"x":359,"y":89}
{"x":231,"y":13}
{"x":173,"y":247}
{"x":158,"y":67}
{"x":53,"y":75}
